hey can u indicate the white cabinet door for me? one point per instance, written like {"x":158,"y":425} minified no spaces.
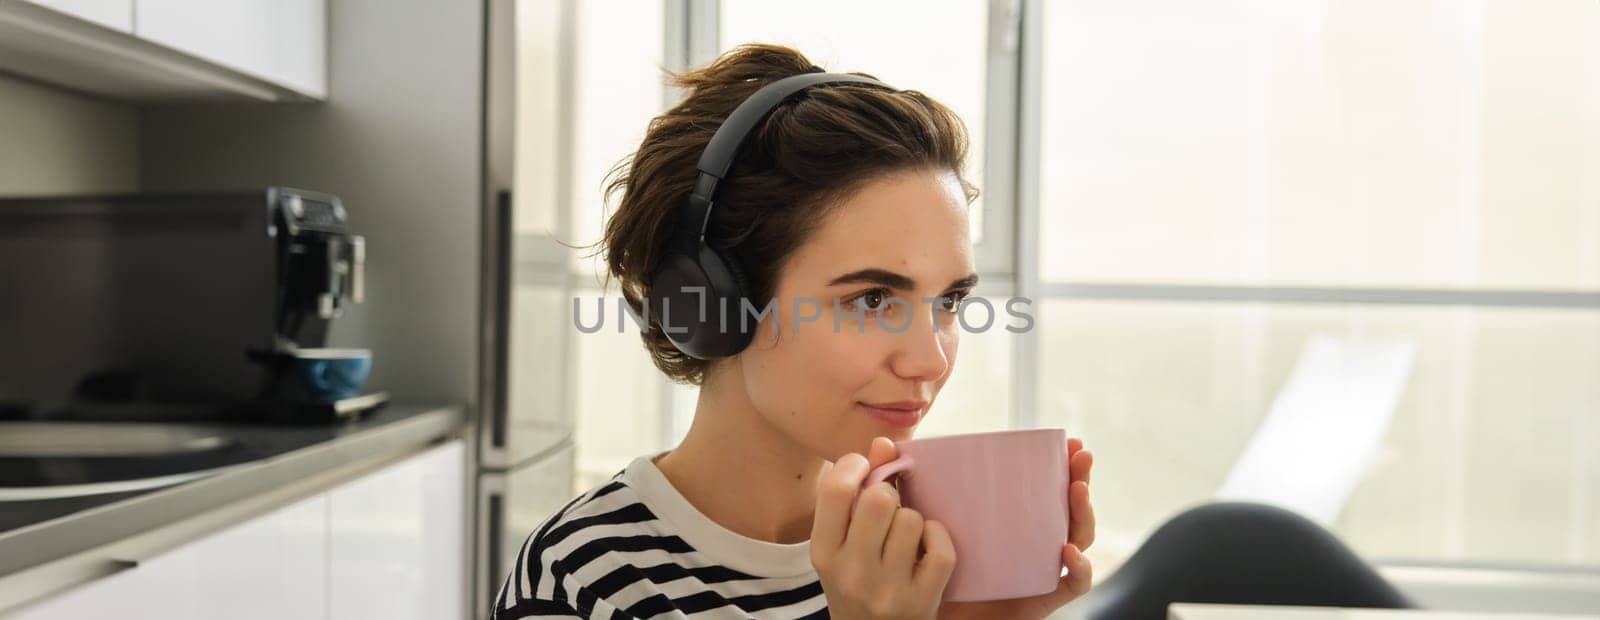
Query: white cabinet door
{"x":283,"y":41}
{"x":273,"y":566}
{"x":387,"y":545}
{"x":397,"y":539}
{"x":114,"y":14}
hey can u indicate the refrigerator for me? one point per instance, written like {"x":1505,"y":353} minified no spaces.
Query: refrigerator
{"x":568,"y":89}
{"x":524,"y":466}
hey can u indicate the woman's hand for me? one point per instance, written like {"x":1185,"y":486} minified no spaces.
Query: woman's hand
{"x":864,"y":545}
{"x":1080,"y":534}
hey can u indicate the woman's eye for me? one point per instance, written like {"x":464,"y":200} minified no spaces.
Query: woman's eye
{"x":870,"y":302}
{"x":952,"y":301}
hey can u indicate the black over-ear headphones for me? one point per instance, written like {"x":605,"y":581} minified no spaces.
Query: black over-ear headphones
{"x":696,"y":291}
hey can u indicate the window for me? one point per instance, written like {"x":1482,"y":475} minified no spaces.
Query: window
{"x":589,"y":81}
{"x":617,"y":89}
{"x":1413,"y":144}
{"x":1213,"y":175}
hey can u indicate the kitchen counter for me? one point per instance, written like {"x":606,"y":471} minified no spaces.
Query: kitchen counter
{"x":49,"y":544}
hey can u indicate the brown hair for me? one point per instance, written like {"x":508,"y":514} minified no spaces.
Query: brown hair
{"x":808,"y":155}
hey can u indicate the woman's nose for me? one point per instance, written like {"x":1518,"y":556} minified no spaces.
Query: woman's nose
{"x":921,"y":352}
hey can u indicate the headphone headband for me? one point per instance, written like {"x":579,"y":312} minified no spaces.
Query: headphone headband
{"x":724,"y":146}
{"x":696,"y":279}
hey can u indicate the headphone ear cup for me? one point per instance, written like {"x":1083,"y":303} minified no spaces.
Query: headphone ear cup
{"x":722,"y":334}
{"x":740,"y":282}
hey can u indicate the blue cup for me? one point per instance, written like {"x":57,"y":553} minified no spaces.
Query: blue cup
{"x":327,"y":375}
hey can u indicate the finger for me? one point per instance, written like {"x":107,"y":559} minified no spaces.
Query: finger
{"x":882,"y":451}
{"x":870,"y":521}
{"x":1080,"y":574}
{"x":900,"y":548}
{"x":836,"y":498}
{"x":1080,"y":527}
{"x":938,"y":559}
{"x":1078,"y":465}
{"x":1073,"y":446}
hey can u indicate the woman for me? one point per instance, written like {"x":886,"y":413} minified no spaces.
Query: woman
{"x":847,"y":195}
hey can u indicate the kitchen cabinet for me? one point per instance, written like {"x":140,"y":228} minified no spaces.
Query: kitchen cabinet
{"x":268,"y":50}
{"x":114,"y":14}
{"x":274,"y":566}
{"x":281,"y":41}
{"x":396,"y":544}
{"x":388,"y":544}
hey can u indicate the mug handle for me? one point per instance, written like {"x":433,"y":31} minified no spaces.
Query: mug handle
{"x":902,"y":464}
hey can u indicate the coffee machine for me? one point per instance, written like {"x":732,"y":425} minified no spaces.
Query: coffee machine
{"x":175,"y":306}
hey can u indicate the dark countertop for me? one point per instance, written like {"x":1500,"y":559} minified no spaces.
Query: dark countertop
{"x":35,"y":532}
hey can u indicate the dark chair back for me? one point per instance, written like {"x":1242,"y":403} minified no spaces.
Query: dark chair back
{"x":1244,"y":554}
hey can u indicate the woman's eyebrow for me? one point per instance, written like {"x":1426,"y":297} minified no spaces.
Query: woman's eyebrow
{"x":894,"y":280}
{"x":969,"y":281}
{"x":876,"y":276}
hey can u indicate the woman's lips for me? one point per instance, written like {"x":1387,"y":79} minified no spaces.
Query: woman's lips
{"x":903,"y":414}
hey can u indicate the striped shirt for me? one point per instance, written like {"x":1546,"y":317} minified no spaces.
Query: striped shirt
{"x":636,"y":548}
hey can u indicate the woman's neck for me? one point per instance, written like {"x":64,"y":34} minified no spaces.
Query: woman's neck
{"x":740,"y":471}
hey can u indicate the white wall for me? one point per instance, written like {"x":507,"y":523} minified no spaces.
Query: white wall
{"x":398,"y":140}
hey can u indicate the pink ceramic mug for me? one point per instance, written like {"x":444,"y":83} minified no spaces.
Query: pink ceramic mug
{"x":1002,"y":496}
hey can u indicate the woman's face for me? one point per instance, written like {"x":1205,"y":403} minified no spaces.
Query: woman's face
{"x":846,"y":364}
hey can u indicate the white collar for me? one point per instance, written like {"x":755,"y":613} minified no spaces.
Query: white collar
{"x":717,"y":543}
